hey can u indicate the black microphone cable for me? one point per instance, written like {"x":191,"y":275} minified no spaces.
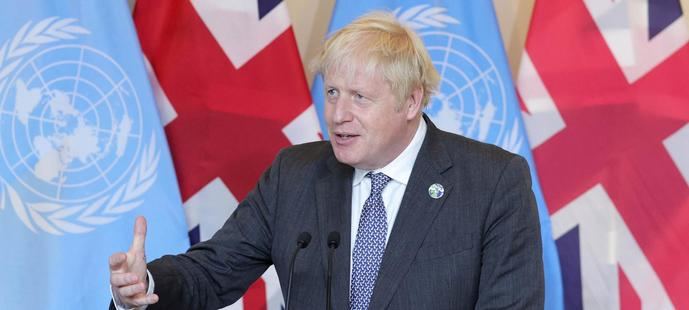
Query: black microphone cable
{"x":302,"y":242}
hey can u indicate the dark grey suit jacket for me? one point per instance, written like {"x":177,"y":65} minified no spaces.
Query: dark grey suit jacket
{"x":478,"y":246}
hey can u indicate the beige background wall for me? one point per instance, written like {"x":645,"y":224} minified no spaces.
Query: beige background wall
{"x":310,"y":20}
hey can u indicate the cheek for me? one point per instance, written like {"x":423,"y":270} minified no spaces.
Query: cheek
{"x":388,"y":132}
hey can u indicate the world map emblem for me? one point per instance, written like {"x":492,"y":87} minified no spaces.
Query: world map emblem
{"x":74,"y":153}
{"x":471,"y":99}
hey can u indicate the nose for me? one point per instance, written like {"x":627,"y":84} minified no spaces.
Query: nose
{"x":341,"y":110}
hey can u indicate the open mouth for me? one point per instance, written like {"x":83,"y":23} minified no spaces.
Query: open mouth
{"x":344,"y":138}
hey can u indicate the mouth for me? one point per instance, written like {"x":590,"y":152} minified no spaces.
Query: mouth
{"x":344,"y":138}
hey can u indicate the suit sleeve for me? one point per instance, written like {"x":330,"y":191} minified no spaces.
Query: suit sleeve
{"x":512,"y":264}
{"x":215,"y":273}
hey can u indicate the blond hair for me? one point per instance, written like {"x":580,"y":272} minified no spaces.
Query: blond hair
{"x":380,"y":43}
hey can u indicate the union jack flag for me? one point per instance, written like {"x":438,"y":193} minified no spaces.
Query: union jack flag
{"x":605,"y":98}
{"x":218,"y":68}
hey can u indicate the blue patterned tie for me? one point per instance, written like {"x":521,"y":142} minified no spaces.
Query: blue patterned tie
{"x":369,"y":245}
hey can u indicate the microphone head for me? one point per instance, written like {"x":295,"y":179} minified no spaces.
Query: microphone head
{"x":333,"y":239}
{"x":303,"y":239}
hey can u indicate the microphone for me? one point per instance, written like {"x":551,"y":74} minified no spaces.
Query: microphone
{"x":333,"y":243}
{"x":302,"y":242}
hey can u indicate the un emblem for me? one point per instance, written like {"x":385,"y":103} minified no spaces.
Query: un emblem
{"x":471,"y":97}
{"x":74,"y":154}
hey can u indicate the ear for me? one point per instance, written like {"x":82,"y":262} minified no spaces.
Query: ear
{"x":413,"y":104}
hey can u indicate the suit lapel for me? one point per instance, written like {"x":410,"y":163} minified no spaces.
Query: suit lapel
{"x":416,"y":215}
{"x":334,"y":204}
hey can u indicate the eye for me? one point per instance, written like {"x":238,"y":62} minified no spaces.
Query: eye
{"x":360,"y":99}
{"x":332,"y":93}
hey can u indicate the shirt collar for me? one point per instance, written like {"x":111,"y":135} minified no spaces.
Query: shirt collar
{"x":399,"y":169}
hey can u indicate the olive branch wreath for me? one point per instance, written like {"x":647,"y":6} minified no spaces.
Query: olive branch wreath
{"x":55,"y":218}
{"x":424,"y":16}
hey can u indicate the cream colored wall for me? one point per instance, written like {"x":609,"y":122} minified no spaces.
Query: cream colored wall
{"x":310,"y":23}
{"x":514,"y":17}
{"x":310,"y":19}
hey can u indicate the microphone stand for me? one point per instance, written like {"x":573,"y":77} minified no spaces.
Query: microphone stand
{"x":333,"y":243}
{"x":302,"y":242}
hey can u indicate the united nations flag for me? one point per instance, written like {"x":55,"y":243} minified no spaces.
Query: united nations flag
{"x":82,"y":152}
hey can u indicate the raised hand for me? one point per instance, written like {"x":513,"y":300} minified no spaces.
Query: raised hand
{"x":128,"y":276}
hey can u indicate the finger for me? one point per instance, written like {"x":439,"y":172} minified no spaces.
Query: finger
{"x":123,"y":279}
{"x":132,"y":290}
{"x":139,"y":235}
{"x":117,"y":261}
{"x":145,"y":300}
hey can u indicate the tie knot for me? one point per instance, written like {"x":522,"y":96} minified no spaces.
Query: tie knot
{"x":378,"y":182}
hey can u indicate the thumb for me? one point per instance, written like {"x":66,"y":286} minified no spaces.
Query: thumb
{"x":138,"y":243}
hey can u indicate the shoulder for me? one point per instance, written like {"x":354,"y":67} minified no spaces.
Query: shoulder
{"x":465,"y":150}
{"x":480,"y":165}
{"x":305,"y":157}
{"x":306,"y":153}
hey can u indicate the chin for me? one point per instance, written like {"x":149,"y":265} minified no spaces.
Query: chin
{"x":344,"y":158}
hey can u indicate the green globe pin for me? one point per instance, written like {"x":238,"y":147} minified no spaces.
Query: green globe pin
{"x":436,"y":191}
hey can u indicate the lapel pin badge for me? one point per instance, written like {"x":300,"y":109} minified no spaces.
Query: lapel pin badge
{"x":436,"y":191}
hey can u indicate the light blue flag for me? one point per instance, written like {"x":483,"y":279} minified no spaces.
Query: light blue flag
{"x":476,"y":97}
{"x":82,"y":152}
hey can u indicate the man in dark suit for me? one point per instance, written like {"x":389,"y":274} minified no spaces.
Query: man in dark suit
{"x":428,"y":219}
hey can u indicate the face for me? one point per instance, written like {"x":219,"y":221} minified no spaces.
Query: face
{"x":368,"y":126}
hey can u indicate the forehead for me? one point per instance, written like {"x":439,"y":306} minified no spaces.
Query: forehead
{"x":355,"y":75}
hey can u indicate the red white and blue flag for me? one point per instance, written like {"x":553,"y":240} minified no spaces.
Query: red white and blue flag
{"x":605,"y":95}
{"x":231,"y":90}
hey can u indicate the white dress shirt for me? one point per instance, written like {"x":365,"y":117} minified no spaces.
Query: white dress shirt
{"x":399,"y":170}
